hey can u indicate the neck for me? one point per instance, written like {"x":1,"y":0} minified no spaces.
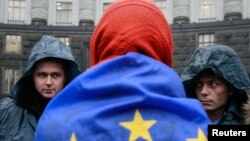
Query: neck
{"x":215,"y":114}
{"x":41,"y":104}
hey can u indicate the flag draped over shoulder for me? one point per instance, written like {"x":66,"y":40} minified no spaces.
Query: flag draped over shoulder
{"x":129,"y":98}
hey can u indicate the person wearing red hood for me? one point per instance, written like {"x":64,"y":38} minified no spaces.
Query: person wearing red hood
{"x":130,"y":92}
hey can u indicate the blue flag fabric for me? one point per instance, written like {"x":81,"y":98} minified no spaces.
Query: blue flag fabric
{"x":128,"y":98}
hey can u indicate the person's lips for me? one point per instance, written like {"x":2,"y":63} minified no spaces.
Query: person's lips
{"x":48,"y":91}
{"x":206,"y":102}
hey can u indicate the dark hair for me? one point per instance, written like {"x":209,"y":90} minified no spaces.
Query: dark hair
{"x":190,"y":85}
{"x":238,"y":95}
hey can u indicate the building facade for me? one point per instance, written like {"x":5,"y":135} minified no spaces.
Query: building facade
{"x":194,"y":23}
{"x":24,"y":22}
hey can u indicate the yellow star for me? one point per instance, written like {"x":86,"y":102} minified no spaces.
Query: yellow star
{"x":73,"y":137}
{"x":201,"y":136}
{"x":138,"y":127}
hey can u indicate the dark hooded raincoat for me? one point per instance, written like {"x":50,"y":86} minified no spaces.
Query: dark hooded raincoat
{"x":225,"y":63}
{"x":21,"y":109}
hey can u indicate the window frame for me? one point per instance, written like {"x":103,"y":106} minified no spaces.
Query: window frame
{"x":62,"y":38}
{"x":27,"y":15}
{"x":168,"y":11}
{"x":16,"y":78}
{"x":18,"y":51}
{"x":203,"y":43}
{"x":68,"y":11}
{"x":194,"y":11}
{"x":52,"y":10}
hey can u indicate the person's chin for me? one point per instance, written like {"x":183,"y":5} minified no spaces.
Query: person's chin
{"x":208,"y":108}
{"x":48,"y":96}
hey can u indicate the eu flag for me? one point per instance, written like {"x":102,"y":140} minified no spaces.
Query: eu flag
{"x":129,"y":98}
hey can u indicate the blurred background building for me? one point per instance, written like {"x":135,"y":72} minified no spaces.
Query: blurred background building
{"x":194,"y":23}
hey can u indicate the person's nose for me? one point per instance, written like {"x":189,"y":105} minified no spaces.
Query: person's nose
{"x":49,"y":80}
{"x":204,"y":90}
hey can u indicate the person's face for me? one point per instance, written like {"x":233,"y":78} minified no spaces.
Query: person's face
{"x":49,"y":78}
{"x":212,"y":91}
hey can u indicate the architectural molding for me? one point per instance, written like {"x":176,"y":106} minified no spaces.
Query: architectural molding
{"x":39,"y":10}
{"x":86,"y":11}
{"x":232,"y":9}
{"x":181,"y":11}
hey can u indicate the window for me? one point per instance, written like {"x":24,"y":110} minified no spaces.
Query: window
{"x":11,"y":76}
{"x":166,"y":7}
{"x":16,"y":11}
{"x":206,"y":11}
{"x":13,"y":44}
{"x":66,"y":40}
{"x":205,"y":39}
{"x":162,"y":4}
{"x":63,"y":13}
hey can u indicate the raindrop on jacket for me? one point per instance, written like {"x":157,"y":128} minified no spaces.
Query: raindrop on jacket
{"x":22,"y":108}
{"x":224,"y":62}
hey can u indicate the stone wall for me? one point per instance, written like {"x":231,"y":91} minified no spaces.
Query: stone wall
{"x":31,"y":34}
{"x":235,"y":34}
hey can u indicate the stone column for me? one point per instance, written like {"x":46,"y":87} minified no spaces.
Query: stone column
{"x":86,"y":12}
{"x":181,"y":11}
{"x":39,"y":11}
{"x":232,"y":9}
{"x":2,"y":4}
